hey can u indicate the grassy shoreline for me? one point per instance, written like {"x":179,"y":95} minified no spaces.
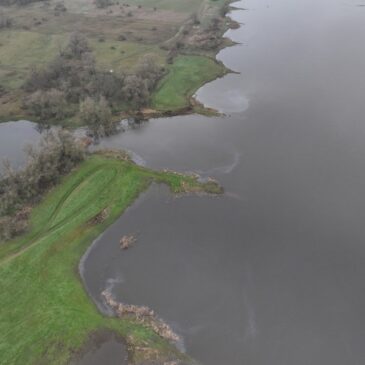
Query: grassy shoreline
{"x":186,"y":75}
{"x":46,"y":316}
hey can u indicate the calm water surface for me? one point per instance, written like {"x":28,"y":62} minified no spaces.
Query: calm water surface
{"x":14,"y":138}
{"x":271,"y":273}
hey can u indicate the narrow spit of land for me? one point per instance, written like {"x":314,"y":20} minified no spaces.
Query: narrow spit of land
{"x":46,"y":316}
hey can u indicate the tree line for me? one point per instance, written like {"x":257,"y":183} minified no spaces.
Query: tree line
{"x":57,"y":154}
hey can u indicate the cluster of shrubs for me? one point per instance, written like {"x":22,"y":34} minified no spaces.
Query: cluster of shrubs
{"x":57,"y":154}
{"x":103,"y":3}
{"x":59,"y":9}
{"x":5,"y":22}
{"x":72,"y":82}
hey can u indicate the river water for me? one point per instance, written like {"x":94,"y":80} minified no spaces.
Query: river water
{"x":271,"y":273}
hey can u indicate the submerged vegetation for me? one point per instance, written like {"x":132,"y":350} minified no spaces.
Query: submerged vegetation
{"x":46,"y":315}
{"x":72,"y":84}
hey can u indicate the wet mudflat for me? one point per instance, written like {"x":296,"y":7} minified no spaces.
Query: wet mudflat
{"x":272,"y":272}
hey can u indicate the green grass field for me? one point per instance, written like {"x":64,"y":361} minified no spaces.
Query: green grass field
{"x":186,"y":75}
{"x":45,"y":313}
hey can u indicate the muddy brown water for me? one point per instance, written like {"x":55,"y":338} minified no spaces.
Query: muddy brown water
{"x":271,"y":273}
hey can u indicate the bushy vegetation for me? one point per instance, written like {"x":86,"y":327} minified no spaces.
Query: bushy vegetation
{"x":59,"y":9}
{"x":72,"y":83}
{"x":5,"y":21}
{"x":56,"y":155}
{"x":96,"y":114}
{"x":103,"y":3}
{"x":47,"y":104}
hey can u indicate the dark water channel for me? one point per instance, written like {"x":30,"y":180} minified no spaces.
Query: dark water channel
{"x":271,"y":273}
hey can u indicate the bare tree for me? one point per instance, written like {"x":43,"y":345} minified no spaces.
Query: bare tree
{"x":149,"y":70}
{"x":5,"y":21}
{"x":96,"y":114}
{"x":47,"y":105}
{"x":77,"y":46}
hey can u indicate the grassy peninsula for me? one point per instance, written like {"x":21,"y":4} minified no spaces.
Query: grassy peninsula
{"x":46,"y":315}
